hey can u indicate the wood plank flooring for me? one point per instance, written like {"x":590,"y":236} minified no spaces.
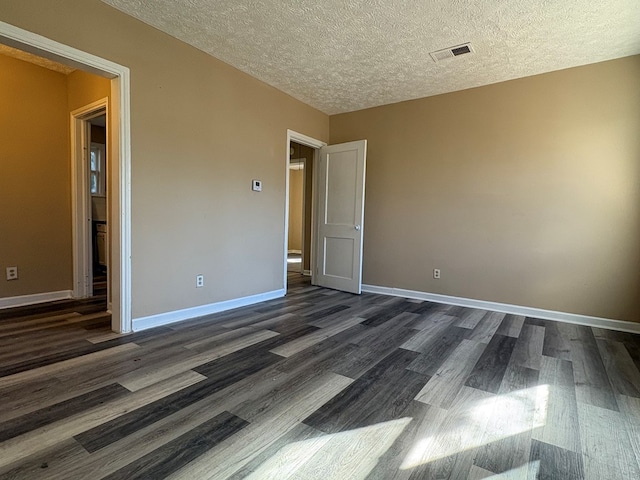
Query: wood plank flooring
{"x":317,"y":385}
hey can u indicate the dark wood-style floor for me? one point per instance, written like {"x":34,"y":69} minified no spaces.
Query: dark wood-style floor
{"x":318,"y":385}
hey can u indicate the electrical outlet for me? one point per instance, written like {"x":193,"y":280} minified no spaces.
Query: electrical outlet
{"x":12,"y":273}
{"x":199,"y":281}
{"x":436,"y":273}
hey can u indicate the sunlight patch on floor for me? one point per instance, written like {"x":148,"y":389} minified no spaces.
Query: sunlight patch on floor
{"x":352,"y":454}
{"x":528,"y":471}
{"x":481,"y":423}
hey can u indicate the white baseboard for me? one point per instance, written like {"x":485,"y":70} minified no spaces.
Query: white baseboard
{"x":167,"y":318}
{"x":22,"y":300}
{"x":620,"y":325}
{"x":299,"y":252}
{"x":306,"y":273}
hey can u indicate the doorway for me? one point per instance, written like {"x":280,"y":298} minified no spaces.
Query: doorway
{"x":332,"y":251}
{"x":302,"y":152}
{"x":97,"y":173}
{"x":98,"y":180}
{"x":120,"y":152}
{"x":90,"y":166}
{"x":300,"y":189}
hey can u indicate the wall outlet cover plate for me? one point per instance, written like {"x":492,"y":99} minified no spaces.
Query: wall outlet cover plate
{"x":12,"y":273}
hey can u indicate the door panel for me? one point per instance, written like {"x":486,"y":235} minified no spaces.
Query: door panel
{"x":341,"y":175}
{"x":338,"y":254}
{"x":341,"y":183}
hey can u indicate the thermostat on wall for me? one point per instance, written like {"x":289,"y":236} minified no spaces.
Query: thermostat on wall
{"x":256,"y":185}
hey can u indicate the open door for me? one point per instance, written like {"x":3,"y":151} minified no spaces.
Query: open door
{"x":341,"y":174}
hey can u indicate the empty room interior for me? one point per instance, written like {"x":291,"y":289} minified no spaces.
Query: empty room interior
{"x":319,"y":240}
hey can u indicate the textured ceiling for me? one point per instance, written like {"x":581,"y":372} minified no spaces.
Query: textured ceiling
{"x":28,"y":57}
{"x":345,"y":55}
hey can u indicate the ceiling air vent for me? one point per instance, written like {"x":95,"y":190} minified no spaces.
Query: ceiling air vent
{"x":451,"y":52}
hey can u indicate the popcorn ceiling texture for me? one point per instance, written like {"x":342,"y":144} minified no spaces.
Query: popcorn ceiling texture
{"x":36,"y":60}
{"x":346,"y":55}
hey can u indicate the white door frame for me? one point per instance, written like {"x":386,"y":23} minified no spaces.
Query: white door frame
{"x":119,"y":145}
{"x":302,"y":139}
{"x":81,"y":197}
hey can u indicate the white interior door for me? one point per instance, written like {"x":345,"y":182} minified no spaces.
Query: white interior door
{"x":341,"y":174}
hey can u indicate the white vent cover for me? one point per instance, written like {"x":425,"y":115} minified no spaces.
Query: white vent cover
{"x":451,"y":52}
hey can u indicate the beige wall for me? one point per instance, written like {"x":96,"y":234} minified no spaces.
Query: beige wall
{"x":201,"y":131}
{"x":35,"y":197}
{"x":296,"y":200}
{"x":525,"y":192}
{"x":85,"y":88}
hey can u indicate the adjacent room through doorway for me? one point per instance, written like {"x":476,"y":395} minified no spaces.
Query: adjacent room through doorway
{"x":98,"y":172}
{"x":300,"y":202}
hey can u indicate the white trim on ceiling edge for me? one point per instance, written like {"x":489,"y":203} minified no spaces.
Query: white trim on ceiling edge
{"x":19,"y":301}
{"x":143,"y":323}
{"x":620,"y":325}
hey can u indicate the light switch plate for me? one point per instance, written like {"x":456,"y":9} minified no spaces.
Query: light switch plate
{"x":256,"y":185}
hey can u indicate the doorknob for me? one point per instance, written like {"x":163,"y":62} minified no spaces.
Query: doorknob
{"x":357,"y":227}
